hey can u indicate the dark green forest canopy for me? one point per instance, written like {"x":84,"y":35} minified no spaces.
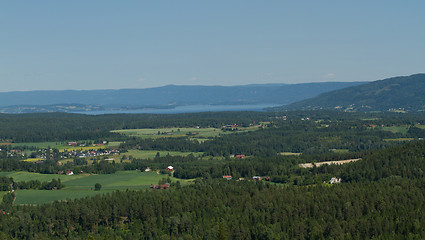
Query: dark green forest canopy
{"x":62,"y":126}
{"x":381,"y":196}
{"x":393,"y":94}
{"x":388,"y":206}
{"x":315,"y":139}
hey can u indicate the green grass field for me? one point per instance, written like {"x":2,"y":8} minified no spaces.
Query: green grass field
{"x":396,"y":129}
{"x":79,"y":186}
{"x":45,"y":196}
{"x":202,"y":133}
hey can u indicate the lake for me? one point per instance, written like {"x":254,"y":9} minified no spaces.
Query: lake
{"x":189,"y":109}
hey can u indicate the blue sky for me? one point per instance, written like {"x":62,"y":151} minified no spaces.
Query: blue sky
{"x":101,"y":44}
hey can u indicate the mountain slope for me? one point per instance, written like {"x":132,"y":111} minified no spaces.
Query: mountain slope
{"x":405,"y":93}
{"x":176,"y":95}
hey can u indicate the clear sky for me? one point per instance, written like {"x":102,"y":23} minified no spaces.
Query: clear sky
{"x":100,"y":44}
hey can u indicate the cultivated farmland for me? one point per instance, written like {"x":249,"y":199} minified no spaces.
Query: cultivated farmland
{"x":202,"y":133}
{"x":80,"y":186}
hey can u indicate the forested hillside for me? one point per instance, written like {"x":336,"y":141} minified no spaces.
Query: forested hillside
{"x":160,"y":97}
{"x":393,"y":94}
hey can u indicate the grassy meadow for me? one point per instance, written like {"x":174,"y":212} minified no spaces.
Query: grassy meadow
{"x":397,"y":129}
{"x":80,"y":186}
{"x":202,"y":133}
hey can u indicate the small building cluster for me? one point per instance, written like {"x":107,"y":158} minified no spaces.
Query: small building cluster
{"x":335,"y":180}
{"x":254,"y":178}
{"x":161,"y":186}
{"x":90,"y":153}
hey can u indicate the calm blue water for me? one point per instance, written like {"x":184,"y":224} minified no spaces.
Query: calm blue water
{"x":190,"y":109}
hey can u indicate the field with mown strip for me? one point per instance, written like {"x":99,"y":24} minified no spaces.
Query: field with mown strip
{"x":79,"y":186}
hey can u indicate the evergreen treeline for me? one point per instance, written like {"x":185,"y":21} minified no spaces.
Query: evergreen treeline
{"x":7,"y":184}
{"x":387,"y":209}
{"x":398,"y":93}
{"x":296,"y":136}
{"x":51,"y":166}
{"x":385,"y":201}
{"x":39,"y":127}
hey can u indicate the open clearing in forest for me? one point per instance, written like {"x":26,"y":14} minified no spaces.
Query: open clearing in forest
{"x":80,"y":186}
{"x":203,"y":133}
{"x":318,"y":164}
{"x":397,"y":129}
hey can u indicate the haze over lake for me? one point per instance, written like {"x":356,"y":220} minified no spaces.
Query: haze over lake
{"x":189,"y":109}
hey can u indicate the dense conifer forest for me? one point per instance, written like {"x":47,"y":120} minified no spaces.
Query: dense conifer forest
{"x":379,"y":196}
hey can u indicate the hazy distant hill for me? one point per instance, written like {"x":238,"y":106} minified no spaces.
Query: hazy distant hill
{"x":170,"y":96}
{"x":394,"y":94}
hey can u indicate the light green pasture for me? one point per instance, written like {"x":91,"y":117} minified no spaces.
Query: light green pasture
{"x":79,"y":186}
{"x":180,"y":132}
{"x":396,"y":129}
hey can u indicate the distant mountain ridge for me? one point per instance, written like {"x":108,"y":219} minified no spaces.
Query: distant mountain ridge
{"x":404,"y":94}
{"x":166,"y":96}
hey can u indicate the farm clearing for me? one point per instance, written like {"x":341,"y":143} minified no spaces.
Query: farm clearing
{"x":202,"y":133}
{"x":80,"y":186}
